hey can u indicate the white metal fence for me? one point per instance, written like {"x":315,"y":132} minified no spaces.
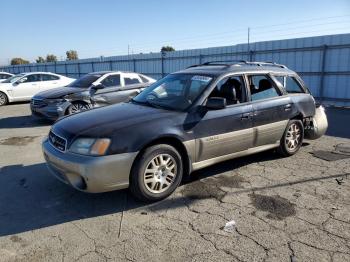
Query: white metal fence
{"x":323,"y":62}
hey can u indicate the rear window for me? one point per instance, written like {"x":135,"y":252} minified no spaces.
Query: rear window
{"x":144,"y":79}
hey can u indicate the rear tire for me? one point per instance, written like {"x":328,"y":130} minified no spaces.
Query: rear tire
{"x":156,"y":173}
{"x":3,"y":99}
{"x":77,"y":107}
{"x":292,"y":138}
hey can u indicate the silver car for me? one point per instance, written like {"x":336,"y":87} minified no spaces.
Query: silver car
{"x":92,"y":90}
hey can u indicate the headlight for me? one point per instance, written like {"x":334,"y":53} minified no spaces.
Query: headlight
{"x":55,"y":101}
{"x":90,"y":146}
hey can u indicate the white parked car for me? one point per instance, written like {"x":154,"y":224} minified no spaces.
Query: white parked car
{"x":23,"y":86}
{"x":4,"y":76}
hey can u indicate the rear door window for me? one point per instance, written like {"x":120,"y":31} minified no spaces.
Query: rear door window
{"x":45,"y":77}
{"x":131,"y":79}
{"x":33,"y":78}
{"x":262,"y":87}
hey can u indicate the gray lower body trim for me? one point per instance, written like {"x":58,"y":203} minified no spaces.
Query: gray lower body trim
{"x":269,"y":133}
{"x":212,"y":161}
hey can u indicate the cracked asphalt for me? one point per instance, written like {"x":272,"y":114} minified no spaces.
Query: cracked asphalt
{"x":285,"y":209}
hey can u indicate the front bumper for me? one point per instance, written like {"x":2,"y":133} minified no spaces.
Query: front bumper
{"x":51,"y":111}
{"x":87,"y":173}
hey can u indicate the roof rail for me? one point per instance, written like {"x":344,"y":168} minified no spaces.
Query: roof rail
{"x":226,"y":63}
{"x":266,"y":64}
{"x":235,"y":62}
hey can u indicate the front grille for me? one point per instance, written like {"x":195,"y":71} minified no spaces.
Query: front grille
{"x":38,"y":102}
{"x":57,"y":141}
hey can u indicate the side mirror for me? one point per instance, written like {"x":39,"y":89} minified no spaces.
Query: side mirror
{"x":216,"y":103}
{"x":99,"y":86}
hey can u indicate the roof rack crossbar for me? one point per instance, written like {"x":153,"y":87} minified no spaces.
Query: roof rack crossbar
{"x":227,"y":62}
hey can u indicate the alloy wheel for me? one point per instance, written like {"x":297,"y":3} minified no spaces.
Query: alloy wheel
{"x":293,"y":137}
{"x":2,"y":99}
{"x":160,"y":173}
{"x":78,"y":107}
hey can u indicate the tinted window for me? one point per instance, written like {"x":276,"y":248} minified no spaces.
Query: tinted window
{"x":227,"y":87}
{"x":292,"y":86}
{"x":4,"y":76}
{"x":49,"y":77}
{"x":32,"y":78}
{"x":113,"y":80}
{"x":175,"y":91}
{"x":14,"y":78}
{"x":85,"y":81}
{"x":131,"y":80}
{"x":261,"y":87}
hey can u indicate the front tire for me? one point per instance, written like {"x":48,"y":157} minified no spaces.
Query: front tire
{"x":156,"y":173}
{"x":3,"y":99}
{"x":292,"y":138}
{"x":77,"y":107}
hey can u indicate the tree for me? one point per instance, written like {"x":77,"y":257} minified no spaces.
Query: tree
{"x":40,"y":59}
{"x":167,"y":49}
{"x":18,"y":61}
{"x":51,"y":58}
{"x":72,"y":55}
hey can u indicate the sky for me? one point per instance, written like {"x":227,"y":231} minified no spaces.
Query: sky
{"x":111,"y":27}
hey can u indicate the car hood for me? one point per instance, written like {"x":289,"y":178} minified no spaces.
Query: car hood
{"x":104,"y":121}
{"x":59,"y":92}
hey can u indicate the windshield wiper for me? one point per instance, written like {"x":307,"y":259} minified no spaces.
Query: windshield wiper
{"x":152,"y":104}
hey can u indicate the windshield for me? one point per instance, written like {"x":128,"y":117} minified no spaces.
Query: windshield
{"x":84,"y":81}
{"x":13,"y":79}
{"x":175,"y":91}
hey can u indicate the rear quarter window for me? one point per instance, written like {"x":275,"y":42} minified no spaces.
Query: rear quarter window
{"x":290,"y":84}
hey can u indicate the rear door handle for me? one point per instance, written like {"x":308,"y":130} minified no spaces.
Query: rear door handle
{"x":287,"y":107}
{"x":245,"y":116}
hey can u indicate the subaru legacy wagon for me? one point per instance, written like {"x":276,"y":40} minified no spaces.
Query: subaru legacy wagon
{"x":186,"y":121}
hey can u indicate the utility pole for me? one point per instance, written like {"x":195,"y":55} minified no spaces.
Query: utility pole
{"x":128,"y":49}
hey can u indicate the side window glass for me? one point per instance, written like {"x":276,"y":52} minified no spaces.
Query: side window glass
{"x":32,"y":78}
{"x":292,"y":86}
{"x":49,"y":77}
{"x":113,"y":80}
{"x":262,"y":87}
{"x":131,"y":80}
{"x":232,"y":89}
{"x":3,"y":76}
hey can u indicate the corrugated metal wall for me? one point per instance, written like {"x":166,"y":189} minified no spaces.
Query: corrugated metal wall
{"x":323,"y":62}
